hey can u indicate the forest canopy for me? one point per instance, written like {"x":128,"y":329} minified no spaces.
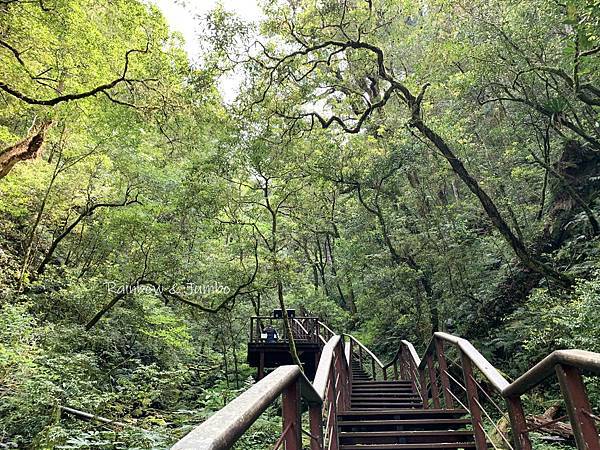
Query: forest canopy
{"x":394,"y":167}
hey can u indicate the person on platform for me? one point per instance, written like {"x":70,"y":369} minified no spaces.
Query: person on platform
{"x":271,"y":333}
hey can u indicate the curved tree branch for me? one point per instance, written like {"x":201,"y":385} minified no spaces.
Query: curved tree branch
{"x":87,"y":211}
{"x":167,"y":294}
{"x":103,"y":88}
{"x":414,"y":104}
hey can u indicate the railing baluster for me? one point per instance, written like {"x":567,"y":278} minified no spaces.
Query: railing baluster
{"x":578,"y":404}
{"x":472,"y":398}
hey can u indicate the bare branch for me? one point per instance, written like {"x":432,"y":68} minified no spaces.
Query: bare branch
{"x":70,"y":97}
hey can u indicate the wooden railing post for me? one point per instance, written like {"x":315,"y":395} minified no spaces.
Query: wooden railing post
{"x":340,"y":374}
{"x":373,"y":368}
{"x":404,"y":366}
{"x":350,"y":373}
{"x":424,"y":395}
{"x":578,"y":407}
{"x":435,"y":394}
{"x":291,"y":417}
{"x":395,"y":369}
{"x":473,"y":402}
{"x":441,"y":357}
{"x":315,"y":417}
{"x":332,"y":413}
{"x":347,"y":382}
{"x":518,"y":423}
{"x":261,"y":366}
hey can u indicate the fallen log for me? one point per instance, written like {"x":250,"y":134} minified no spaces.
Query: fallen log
{"x":548,"y":423}
{"x":88,"y":416}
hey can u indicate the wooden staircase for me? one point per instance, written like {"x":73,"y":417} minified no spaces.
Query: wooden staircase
{"x":356,"y":402}
{"x":390,"y":415}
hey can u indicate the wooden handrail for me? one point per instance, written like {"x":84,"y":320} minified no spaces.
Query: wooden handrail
{"x":581,"y":359}
{"x":411,"y":349}
{"x":369,"y":352}
{"x":226,"y":426}
{"x":324,"y":367}
{"x":299,"y":328}
{"x":486,"y":368}
{"x":348,"y":352}
{"x":330,"y":391}
{"x":325,"y":327}
{"x":297,"y":322}
{"x":565,"y":364}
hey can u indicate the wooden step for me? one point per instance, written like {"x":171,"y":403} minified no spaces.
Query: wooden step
{"x":370,"y":385}
{"x":405,"y":437}
{"x":401,"y":414}
{"x":386,"y":399}
{"x":382,"y":406}
{"x":384,"y":394}
{"x":388,"y":404}
{"x":425,"y":446}
{"x":389,"y":414}
{"x":402,"y":424}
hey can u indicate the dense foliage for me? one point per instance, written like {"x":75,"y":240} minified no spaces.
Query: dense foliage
{"x":396,"y":167}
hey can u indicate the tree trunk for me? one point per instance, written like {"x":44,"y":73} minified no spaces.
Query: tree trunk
{"x":572,"y":193}
{"x":578,"y":166}
{"x":347,"y":301}
{"x":105,"y":309}
{"x":37,"y":221}
{"x":490,"y":208}
{"x":287,"y":326}
{"x":422,"y":282}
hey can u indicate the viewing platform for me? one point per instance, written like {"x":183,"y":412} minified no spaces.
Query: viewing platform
{"x":269,"y":346}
